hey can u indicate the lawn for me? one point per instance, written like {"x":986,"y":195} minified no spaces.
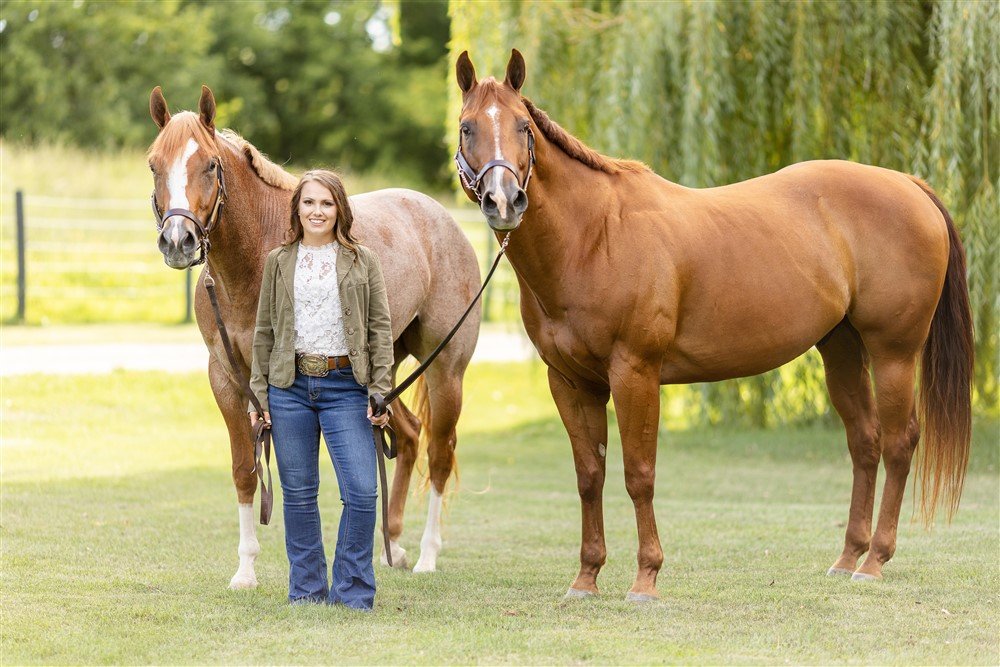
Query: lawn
{"x":119,"y":533}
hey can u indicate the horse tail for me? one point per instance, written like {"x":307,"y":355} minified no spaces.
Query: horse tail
{"x":946,"y":384}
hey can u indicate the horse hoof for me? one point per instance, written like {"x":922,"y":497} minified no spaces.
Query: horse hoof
{"x":578,"y":594}
{"x":640,"y":598}
{"x":398,"y":559}
{"x":839,"y":572}
{"x":861,"y":576}
{"x":422,"y":567}
{"x":242,"y":582}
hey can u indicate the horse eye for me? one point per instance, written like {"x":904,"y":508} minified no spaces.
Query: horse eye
{"x":211,"y":165}
{"x":466,"y":131}
{"x":152,"y":168}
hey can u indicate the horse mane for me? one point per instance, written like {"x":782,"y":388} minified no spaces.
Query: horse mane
{"x":268,"y":171}
{"x":575,"y":148}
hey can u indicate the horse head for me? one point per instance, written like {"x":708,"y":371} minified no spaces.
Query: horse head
{"x":496,"y":146}
{"x":188,"y":185}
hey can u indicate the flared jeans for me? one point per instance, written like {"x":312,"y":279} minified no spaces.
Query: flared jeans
{"x":335,"y":405}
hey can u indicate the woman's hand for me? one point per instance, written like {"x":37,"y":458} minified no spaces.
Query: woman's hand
{"x":381,"y":420}
{"x":254,"y":418}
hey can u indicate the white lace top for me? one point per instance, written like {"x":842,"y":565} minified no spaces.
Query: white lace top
{"x":319,"y":322}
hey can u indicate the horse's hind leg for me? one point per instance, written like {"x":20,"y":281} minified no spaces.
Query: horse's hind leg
{"x":894,"y":383}
{"x":444,"y":388}
{"x":407,"y":428}
{"x":847,"y":380}
{"x":233,"y":407}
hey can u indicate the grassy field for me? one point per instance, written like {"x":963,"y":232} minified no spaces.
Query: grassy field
{"x":119,"y":534}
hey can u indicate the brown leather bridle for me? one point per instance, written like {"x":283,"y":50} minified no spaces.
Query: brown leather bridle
{"x":204,"y":244}
{"x":472,"y":179}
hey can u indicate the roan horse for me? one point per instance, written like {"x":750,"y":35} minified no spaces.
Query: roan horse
{"x":431,"y":273}
{"x":629,"y":281}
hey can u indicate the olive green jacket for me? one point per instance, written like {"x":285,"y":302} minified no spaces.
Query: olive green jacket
{"x":366,"y":321}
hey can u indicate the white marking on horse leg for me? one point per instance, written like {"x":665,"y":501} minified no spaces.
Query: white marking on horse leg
{"x":430,"y":543}
{"x":249,"y":549}
{"x":601,"y":449}
{"x":398,"y":555}
{"x":177,"y":178}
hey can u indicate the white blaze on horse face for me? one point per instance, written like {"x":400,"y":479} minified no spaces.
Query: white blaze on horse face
{"x":177,"y":180}
{"x":496,"y":174}
{"x":430,"y":543}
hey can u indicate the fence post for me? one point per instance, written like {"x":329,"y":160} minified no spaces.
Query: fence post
{"x":187,"y":296}
{"x":19,"y":206}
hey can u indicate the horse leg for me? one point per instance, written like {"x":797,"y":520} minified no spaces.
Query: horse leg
{"x":846,"y":364}
{"x":407,"y":428}
{"x":233,"y":406}
{"x":584,"y":413}
{"x":636,"y":393}
{"x":894,"y":383}
{"x":444,"y":389}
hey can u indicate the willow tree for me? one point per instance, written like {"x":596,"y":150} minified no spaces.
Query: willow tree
{"x":712,"y":92}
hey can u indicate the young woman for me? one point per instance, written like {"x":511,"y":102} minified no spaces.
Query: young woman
{"x":323,"y":343}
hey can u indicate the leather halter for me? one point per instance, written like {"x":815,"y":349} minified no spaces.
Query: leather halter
{"x":203,"y":229}
{"x":472,"y":179}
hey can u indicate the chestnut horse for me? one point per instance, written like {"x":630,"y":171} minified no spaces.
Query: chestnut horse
{"x":629,"y":281}
{"x":431,"y":273}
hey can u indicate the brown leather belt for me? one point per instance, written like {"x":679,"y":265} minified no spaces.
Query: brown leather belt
{"x":316,"y":365}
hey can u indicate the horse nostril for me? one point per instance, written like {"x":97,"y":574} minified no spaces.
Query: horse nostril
{"x":188,"y":243}
{"x":489,"y":205}
{"x":520,"y":202}
{"x":162,"y":244}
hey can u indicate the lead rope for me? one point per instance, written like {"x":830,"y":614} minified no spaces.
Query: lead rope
{"x":261,"y":431}
{"x":380,"y":403}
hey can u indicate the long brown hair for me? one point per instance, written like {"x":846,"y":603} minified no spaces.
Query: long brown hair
{"x":345,"y":216}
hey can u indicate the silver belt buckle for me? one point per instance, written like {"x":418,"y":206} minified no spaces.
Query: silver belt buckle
{"x":313,"y":365}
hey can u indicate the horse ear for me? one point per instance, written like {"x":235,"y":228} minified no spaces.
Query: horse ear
{"x":515,"y":70}
{"x":465,"y":72}
{"x":207,"y":108}
{"x":158,"y":108}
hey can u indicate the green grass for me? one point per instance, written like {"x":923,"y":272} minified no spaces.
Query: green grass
{"x":119,"y":535}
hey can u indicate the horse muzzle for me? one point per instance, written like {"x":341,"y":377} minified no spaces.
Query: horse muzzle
{"x":504,"y":207}
{"x":178,"y":243}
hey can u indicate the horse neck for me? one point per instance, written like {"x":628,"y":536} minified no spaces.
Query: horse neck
{"x":566,"y":216}
{"x":250,"y":226}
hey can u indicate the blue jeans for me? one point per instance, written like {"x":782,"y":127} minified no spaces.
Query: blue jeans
{"x":337,"y":406}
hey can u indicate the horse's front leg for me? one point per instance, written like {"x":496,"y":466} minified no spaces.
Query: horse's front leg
{"x":233,"y":406}
{"x":635,"y":389}
{"x":584,"y":413}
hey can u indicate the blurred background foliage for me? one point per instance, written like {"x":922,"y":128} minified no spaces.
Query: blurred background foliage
{"x":706,"y":92}
{"x":356,"y":84}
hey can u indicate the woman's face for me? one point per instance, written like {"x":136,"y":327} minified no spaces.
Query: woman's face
{"x":317,"y":213}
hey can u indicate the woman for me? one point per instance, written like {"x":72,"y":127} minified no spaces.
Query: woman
{"x":322,"y":345}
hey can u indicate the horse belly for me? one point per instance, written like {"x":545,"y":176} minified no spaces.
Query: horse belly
{"x":772,"y":317}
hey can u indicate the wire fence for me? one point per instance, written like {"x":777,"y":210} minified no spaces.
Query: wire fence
{"x":74,"y":260}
